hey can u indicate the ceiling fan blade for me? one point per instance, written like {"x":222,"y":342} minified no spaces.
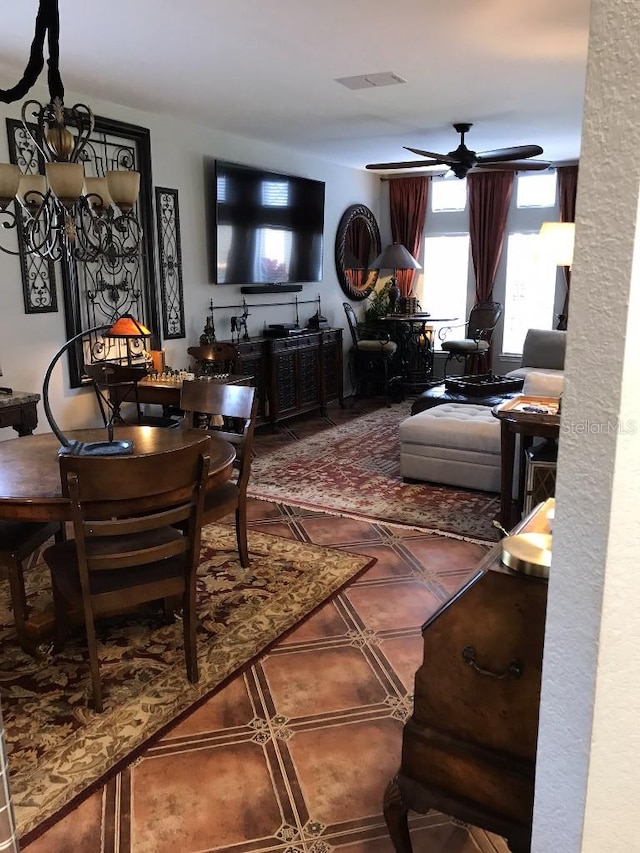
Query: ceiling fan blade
{"x":514,"y":165}
{"x":408,"y":164}
{"x":517,"y":152}
{"x":440,"y":158}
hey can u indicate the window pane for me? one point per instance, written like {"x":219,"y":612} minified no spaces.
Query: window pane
{"x":444,"y":283}
{"x":536,"y":190}
{"x":448,"y":194}
{"x":530,"y":291}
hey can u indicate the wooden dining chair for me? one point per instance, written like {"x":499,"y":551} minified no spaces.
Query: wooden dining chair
{"x":235,"y":406}
{"x":214,"y":358}
{"x":18,"y":541}
{"x":136,"y":527}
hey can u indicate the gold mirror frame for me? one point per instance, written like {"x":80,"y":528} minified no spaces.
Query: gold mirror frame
{"x":357,"y":245}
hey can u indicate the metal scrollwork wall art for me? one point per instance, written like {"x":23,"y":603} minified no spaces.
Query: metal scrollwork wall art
{"x":38,"y":274}
{"x":168,"y":221}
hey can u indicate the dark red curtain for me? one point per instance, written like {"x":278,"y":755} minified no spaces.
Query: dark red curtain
{"x":408,"y":207}
{"x":567,"y":189}
{"x":489,"y":198}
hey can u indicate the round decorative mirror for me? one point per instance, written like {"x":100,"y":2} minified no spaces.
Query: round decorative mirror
{"x":357,"y":245}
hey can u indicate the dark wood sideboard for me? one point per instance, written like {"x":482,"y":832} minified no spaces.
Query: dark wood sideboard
{"x":294,"y":374}
{"x":469,"y":748}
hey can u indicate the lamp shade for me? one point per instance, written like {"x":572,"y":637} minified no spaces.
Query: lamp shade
{"x":127,"y":327}
{"x":558,"y":241}
{"x":395,"y":257}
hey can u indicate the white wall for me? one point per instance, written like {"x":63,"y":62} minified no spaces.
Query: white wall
{"x":588,"y":771}
{"x":27,"y":342}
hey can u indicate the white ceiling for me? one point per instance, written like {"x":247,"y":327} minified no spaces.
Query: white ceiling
{"x":266,"y":69}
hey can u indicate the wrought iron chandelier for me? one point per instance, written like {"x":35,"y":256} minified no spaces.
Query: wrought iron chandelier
{"x":63,"y":213}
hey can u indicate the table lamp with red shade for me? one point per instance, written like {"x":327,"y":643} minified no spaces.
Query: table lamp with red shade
{"x":125,"y":327}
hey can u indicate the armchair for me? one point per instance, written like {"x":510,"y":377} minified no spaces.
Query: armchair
{"x":371,"y":356}
{"x":474,"y":347}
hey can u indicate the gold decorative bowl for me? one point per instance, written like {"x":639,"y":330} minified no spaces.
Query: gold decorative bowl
{"x":529,"y":553}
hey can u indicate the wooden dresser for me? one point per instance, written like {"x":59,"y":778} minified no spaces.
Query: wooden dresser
{"x":294,"y":374}
{"x":469,"y":749}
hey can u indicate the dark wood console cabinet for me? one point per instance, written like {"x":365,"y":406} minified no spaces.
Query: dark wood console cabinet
{"x":469,"y":748}
{"x":294,"y":374}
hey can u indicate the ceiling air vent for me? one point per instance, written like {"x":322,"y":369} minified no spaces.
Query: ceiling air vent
{"x":371,"y":81}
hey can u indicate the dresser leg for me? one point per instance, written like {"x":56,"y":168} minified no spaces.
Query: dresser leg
{"x":395,"y":815}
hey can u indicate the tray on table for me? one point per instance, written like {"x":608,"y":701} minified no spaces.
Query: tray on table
{"x":484,"y":384}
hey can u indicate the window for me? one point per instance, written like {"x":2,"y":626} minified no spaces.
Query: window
{"x":448,"y":193}
{"x":529,"y":288}
{"x":529,"y":291}
{"x":536,"y":190}
{"x":446,"y":273}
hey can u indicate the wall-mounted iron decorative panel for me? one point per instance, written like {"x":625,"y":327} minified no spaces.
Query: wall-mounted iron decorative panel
{"x":38,"y":274}
{"x":96,"y":292}
{"x":169,"y":249}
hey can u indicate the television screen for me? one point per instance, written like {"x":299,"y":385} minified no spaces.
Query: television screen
{"x":264,"y":227}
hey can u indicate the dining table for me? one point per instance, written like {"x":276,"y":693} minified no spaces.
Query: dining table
{"x":31,"y":489}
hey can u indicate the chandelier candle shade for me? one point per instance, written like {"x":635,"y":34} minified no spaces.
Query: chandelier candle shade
{"x":64,"y":214}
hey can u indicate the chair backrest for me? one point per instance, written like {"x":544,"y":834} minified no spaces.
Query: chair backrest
{"x":483,"y":318}
{"x":136,"y":489}
{"x":107,"y":374}
{"x":214,"y":358}
{"x":136,"y":502}
{"x":235,"y":405}
{"x":352,"y":321}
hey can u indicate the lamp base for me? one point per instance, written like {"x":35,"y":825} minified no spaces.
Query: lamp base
{"x":97,"y":448}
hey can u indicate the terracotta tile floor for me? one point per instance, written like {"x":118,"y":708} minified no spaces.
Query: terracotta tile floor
{"x":293,"y":755}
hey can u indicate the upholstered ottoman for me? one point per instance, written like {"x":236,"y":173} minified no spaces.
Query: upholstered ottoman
{"x":457,"y":444}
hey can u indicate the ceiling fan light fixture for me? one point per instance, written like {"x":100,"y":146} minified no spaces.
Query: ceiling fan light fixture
{"x":462,"y":159}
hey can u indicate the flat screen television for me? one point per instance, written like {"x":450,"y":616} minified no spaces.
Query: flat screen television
{"x":263,"y":227}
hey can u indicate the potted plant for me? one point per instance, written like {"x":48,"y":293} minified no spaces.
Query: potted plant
{"x":377,"y":306}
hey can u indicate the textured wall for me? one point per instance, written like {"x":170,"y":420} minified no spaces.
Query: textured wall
{"x":588,"y":770}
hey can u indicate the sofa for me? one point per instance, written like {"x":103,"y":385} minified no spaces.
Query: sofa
{"x":542,"y":352}
{"x":457,"y":442}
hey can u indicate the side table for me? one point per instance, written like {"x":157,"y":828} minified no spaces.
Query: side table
{"x":517,"y":418}
{"x":18,"y":410}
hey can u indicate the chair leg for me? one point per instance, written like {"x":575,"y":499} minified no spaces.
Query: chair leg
{"x":18,"y":598}
{"x":241,"y":532}
{"x":385,"y":367}
{"x":189,"y":627}
{"x":444,"y":369}
{"x":94,"y":661}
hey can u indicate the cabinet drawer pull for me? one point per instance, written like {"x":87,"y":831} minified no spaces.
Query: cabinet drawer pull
{"x":514,"y":667}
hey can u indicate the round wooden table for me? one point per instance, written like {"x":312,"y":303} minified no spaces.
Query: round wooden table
{"x":30,"y":488}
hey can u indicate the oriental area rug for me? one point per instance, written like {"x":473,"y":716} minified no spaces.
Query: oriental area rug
{"x":354,"y":469}
{"x":59,"y":748}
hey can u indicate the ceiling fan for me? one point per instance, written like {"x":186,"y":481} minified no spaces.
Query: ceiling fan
{"x":462,"y":160}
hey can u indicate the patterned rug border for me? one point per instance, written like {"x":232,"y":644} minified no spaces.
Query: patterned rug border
{"x":341,"y":471}
{"x":432,"y":531}
{"x":37,"y":805}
